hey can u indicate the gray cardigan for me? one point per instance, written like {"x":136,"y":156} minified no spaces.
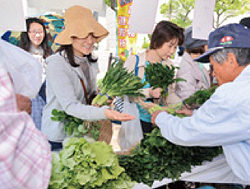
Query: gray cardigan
{"x":65,"y":92}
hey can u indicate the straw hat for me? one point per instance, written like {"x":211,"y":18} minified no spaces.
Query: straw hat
{"x":80,"y":22}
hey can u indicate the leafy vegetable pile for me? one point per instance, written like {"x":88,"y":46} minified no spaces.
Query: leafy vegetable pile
{"x":118,"y":82}
{"x":156,"y":158}
{"x":199,"y":97}
{"x":83,"y":165}
{"x":75,"y":126}
{"x":161,"y":76}
{"x":161,"y":158}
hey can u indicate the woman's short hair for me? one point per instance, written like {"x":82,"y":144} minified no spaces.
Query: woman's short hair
{"x":166,"y":31}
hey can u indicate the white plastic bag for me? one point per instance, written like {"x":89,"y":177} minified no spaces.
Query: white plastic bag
{"x":131,"y":131}
{"x":24,"y":69}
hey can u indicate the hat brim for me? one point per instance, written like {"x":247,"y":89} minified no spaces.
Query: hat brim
{"x":204,"y":58}
{"x":81,"y":30}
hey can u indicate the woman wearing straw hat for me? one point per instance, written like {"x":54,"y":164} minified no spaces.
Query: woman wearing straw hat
{"x":71,"y":75}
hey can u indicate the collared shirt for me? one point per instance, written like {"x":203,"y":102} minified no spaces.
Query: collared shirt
{"x":25,"y":156}
{"x":223,"y":120}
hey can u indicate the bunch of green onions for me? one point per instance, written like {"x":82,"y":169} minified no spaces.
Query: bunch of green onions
{"x":118,"y":82}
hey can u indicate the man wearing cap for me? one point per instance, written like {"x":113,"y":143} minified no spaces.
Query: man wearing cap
{"x":193,"y":72}
{"x":224,"y":119}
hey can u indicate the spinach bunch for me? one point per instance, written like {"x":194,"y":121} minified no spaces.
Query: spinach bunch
{"x":200,"y":97}
{"x":156,"y":158}
{"x":75,"y":126}
{"x":161,"y":76}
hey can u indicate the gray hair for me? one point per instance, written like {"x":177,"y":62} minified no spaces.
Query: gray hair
{"x":242,"y":55}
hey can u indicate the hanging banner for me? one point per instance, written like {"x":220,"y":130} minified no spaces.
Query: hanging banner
{"x":143,"y":15}
{"x":126,"y":40}
{"x":203,"y":18}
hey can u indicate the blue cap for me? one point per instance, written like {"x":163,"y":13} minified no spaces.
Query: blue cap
{"x":228,"y":36}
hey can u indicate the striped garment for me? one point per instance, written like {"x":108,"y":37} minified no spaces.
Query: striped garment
{"x":25,"y":156}
{"x":118,"y":104}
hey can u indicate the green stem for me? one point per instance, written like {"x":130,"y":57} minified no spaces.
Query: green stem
{"x":94,"y":101}
{"x":102,"y":100}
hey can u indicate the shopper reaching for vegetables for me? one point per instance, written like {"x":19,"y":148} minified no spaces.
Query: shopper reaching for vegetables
{"x":71,"y":75}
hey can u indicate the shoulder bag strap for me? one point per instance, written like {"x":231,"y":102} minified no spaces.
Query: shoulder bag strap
{"x":85,"y":90}
{"x":136,"y":65}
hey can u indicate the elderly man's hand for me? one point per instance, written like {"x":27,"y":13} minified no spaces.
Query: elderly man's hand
{"x":23,"y":103}
{"x":154,"y":115}
{"x":186,"y":111}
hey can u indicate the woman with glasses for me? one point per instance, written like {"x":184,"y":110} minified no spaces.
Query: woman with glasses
{"x":35,"y":42}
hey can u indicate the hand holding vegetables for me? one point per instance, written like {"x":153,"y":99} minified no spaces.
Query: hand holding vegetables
{"x":186,"y":111}
{"x":161,"y":76}
{"x":154,"y":115}
{"x":155,"y":93}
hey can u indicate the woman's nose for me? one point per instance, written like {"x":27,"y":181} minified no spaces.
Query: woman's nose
{"x":91,"y":39}
{"x":172,"y":51}
{"x":38,"y":34}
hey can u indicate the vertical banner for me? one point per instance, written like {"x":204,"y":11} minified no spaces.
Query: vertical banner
{"x":126,"y":40}
{"x":143,"y":15}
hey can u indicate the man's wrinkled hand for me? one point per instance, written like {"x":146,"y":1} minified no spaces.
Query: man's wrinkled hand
{"x":154,"y":115}
{"x":186,"y":111}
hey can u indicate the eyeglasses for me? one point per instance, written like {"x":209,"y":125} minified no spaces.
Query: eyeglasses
{"x":36,"y":32}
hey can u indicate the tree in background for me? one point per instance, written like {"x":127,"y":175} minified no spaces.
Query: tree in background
{"x":225,"y":9}
{"x":146,"y":42}
{"x":110,"y":3}
{"x":178,"y":11}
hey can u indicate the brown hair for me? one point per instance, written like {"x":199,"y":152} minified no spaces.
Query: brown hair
{"x":69,"y":55}
{"x":25,"y":42}
{"x":166,"y":31}
{"x":197,"y":50}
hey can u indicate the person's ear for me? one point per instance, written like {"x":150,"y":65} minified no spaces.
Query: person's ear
{"x":232,"y":60}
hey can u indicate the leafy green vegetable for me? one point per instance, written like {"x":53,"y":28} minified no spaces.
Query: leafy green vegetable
{"x":200,"y":97}
{"x":83,"y":165}
{"x":156,"y":158}
{"x":75,"y":126}
{"x":118,"y":82}
{"x":161,"y":76}
{"x":161,"y":158}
